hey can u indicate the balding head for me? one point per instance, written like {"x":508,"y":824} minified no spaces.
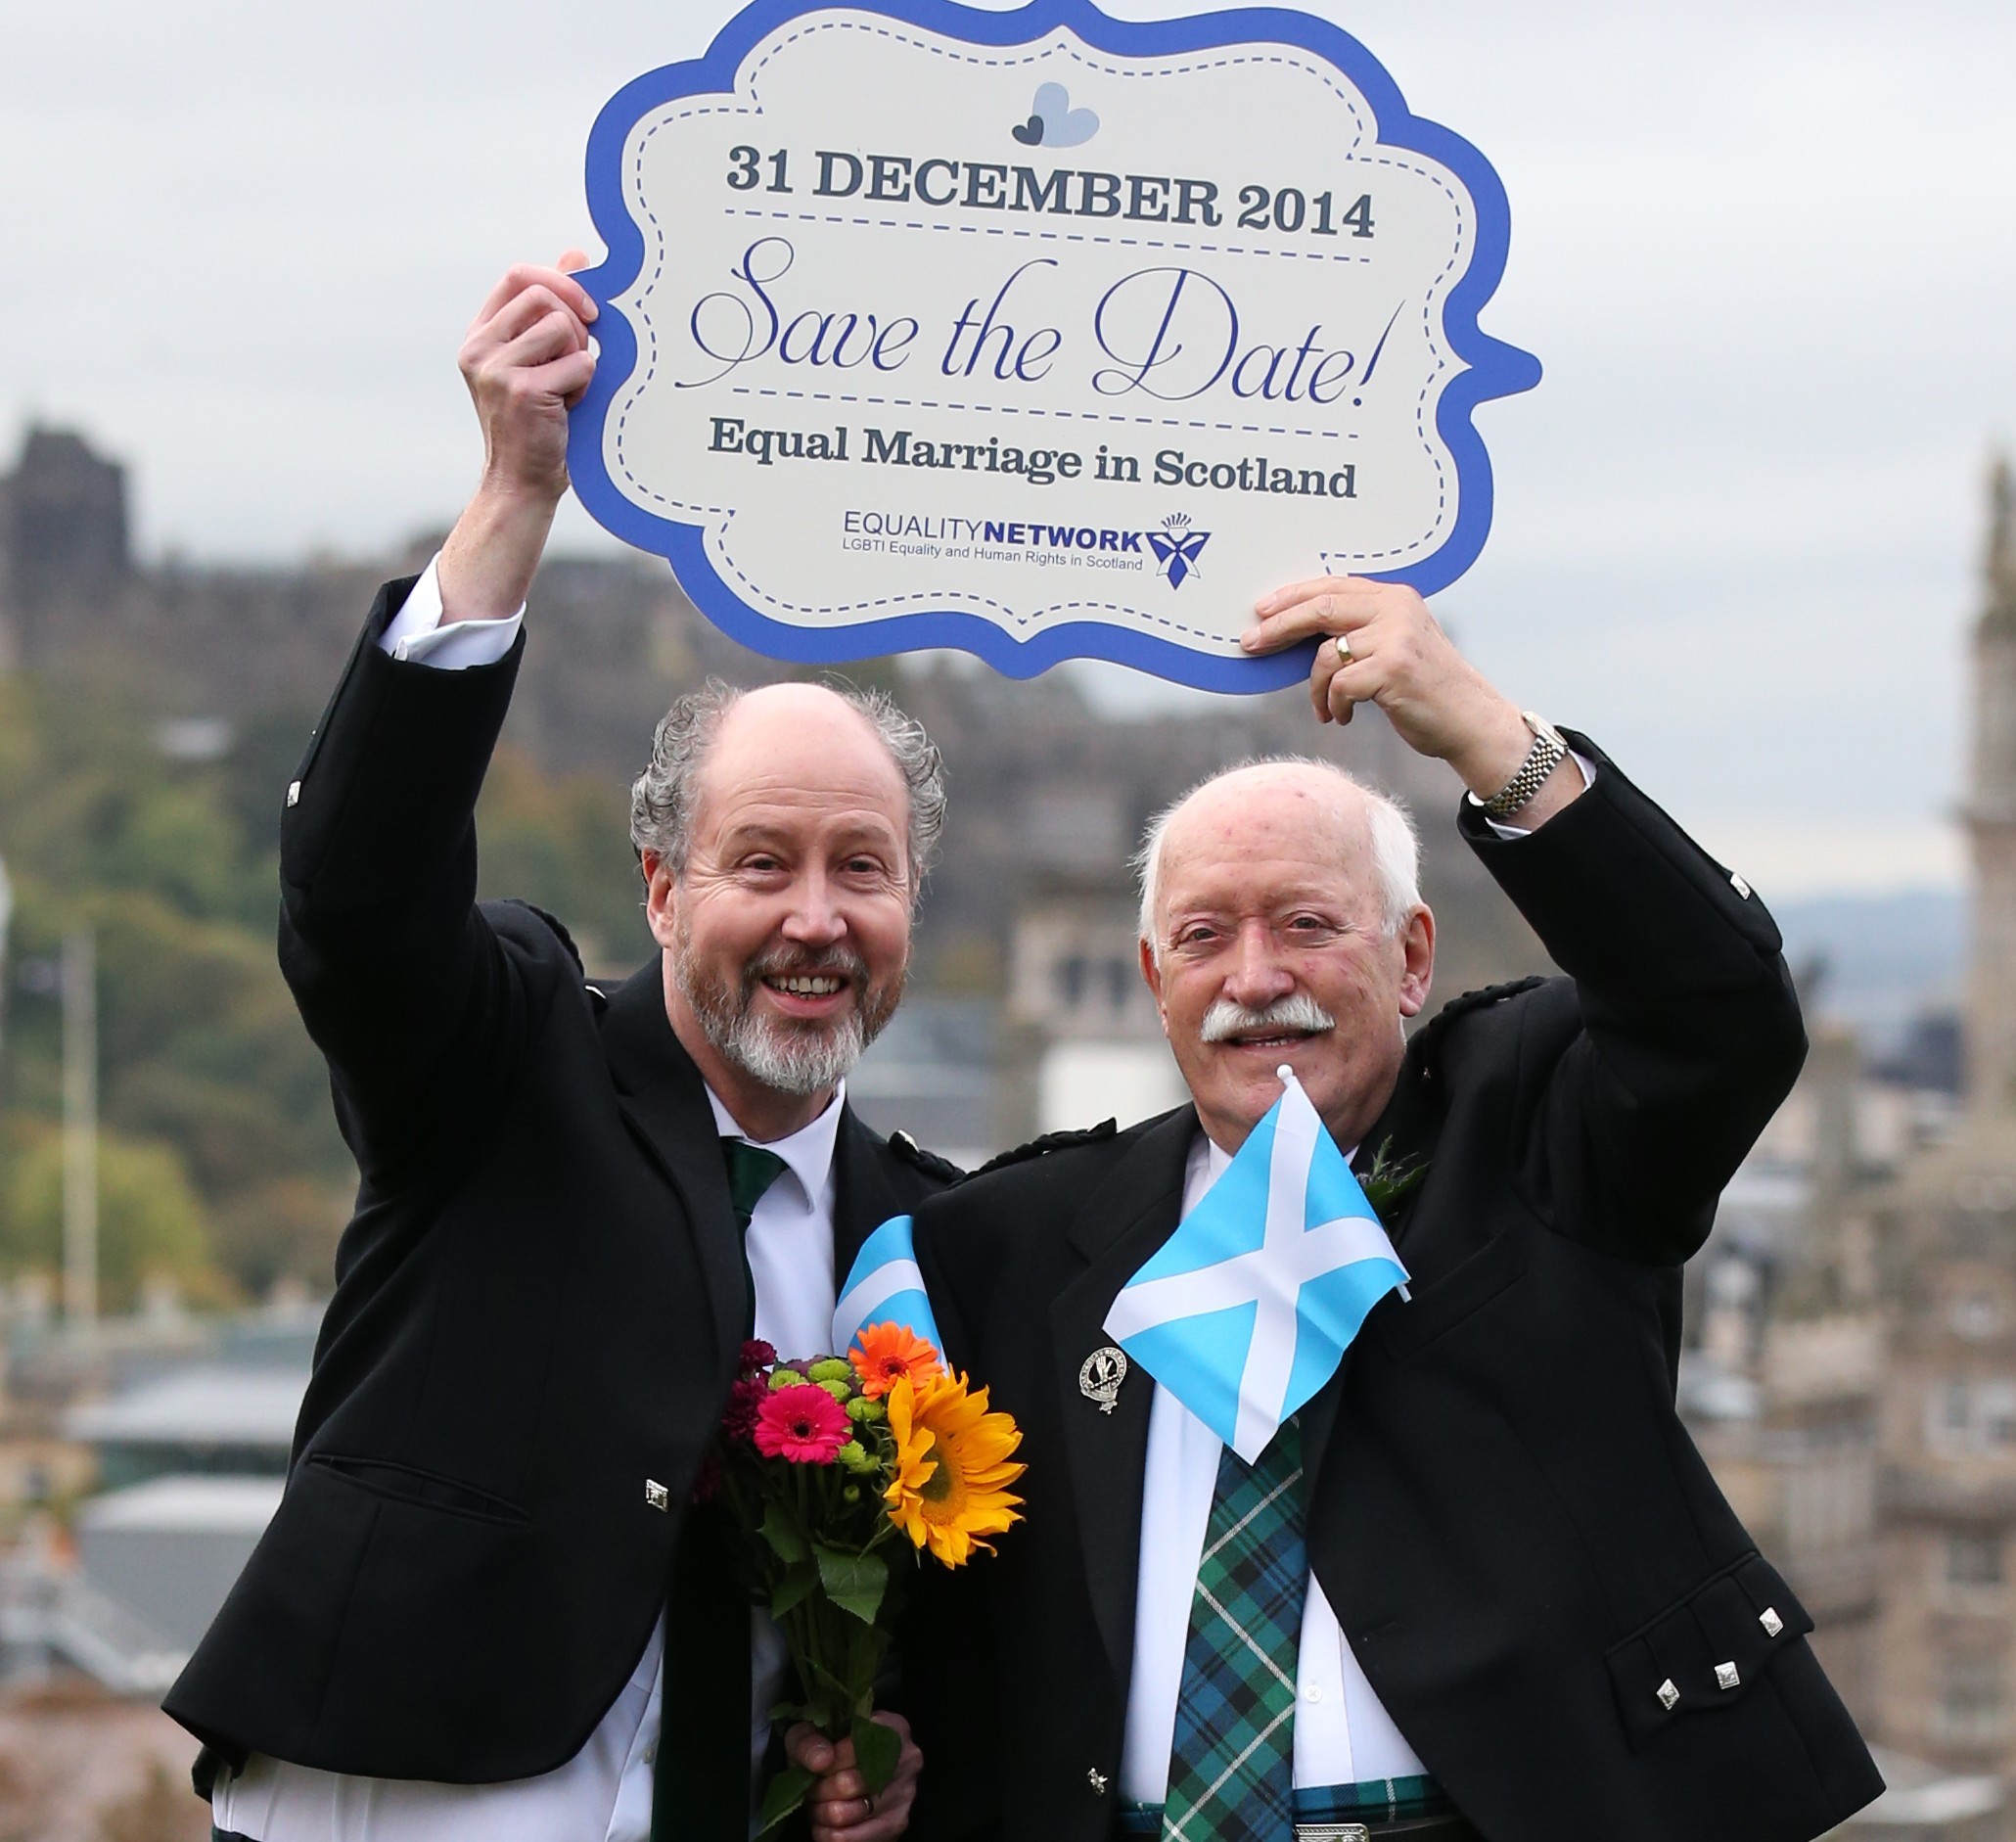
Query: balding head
{"x":783,"y":835}
{"x":783,"y":720}
{"x":1280,"y":924}
{"x":1368,"y":824}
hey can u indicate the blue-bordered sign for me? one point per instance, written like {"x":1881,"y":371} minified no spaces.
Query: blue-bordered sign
{"x":1040,"y":333}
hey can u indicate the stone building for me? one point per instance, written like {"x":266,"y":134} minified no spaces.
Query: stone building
{"x":1947,"y":1240}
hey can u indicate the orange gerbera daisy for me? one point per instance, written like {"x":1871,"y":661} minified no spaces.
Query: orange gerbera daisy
{"x":952,"y":1471}
{"x":890,"y":1354}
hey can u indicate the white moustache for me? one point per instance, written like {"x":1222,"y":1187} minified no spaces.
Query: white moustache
{"x":1298,"y":1012}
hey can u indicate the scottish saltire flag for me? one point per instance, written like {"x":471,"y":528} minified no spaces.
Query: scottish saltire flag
{"x":1247,"y":1310}
{"x":884,"y":1287}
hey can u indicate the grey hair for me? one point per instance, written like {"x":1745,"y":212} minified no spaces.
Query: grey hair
{"x":662,"y":798}
{"x":1395,"y":845}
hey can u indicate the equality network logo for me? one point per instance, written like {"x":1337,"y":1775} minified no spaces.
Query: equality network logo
{"x":1177,"y":547}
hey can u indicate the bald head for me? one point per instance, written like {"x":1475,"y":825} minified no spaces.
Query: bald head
{"x":1302,"y":799}
{"x":802,"y":736}
{"x":1280,"y":925}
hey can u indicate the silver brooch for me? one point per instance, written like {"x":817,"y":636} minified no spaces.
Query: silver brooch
{"x":1100,"y":1377}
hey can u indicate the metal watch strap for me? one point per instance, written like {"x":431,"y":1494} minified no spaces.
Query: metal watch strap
{"x":1547,"y":752}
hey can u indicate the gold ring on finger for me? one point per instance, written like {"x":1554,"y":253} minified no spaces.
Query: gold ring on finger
{"x":1344,"y":651}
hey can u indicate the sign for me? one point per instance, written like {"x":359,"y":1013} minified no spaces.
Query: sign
{"x":1037,"y":333}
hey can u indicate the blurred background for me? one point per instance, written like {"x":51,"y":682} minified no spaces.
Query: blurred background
{"x":1751,"y":534}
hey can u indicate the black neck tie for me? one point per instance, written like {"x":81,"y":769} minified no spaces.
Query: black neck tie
{"x":700,"y":1784}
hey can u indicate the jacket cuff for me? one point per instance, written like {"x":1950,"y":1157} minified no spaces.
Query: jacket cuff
{"x":390,"y":781}
{"x":1615,"y":888}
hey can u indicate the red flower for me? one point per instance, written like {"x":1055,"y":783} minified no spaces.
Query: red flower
{"x":804,"y":1424}
{"x":756,"y":1355}
{"x":744,"y":1399}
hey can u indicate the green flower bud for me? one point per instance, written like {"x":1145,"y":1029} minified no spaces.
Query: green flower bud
{"x":841,"y":1391}
{"x":831,"y":1368}
{"x":858,"y":1457}
{"x":851,"y":1495}
{"x":865,"y":1412}
{"x":784,"y":1378}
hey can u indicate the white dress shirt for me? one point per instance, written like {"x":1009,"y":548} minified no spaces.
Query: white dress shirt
{"x":603,"y":1793}
{"x":1343,"y":1736}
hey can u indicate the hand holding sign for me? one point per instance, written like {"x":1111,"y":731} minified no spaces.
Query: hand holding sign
{"x":527,"y":362}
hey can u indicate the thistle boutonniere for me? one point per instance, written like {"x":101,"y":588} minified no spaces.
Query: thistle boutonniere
{"x":1390,"y":1181}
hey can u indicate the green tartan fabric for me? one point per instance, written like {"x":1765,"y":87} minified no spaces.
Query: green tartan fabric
{"x":1231,"y":1767}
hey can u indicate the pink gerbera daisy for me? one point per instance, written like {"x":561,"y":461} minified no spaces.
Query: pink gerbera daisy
{"x":804,"y":1424}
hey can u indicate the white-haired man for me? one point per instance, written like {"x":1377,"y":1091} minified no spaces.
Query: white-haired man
{"x":1481,"y":1585}
{"x":489,"y":1608}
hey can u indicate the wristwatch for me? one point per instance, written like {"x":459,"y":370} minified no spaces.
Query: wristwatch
{"x":1547,"y":752}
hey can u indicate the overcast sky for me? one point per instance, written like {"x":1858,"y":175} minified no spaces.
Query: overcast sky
{"x":1765,"y":252}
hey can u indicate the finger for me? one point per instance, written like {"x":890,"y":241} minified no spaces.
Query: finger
{"x":554,"y":337}
{"x":1339,"y":613}
{"x":804,"y":1745}
{"x":527,"y":275}
{"x":847,"y":1819}
{"x":571,"y":259}
{"x":1333,"y":656}
{"x":836,"y":1787}
{"x":1357,"y":683}
{"x":1293,"y":592}
{"x":535,"y":308}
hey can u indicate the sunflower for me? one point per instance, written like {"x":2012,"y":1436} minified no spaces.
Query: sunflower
{"x":952,"y":1467}
{"x":890,"y":1354}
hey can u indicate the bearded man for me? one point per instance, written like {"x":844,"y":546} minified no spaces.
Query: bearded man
{"x":488,"y":1607}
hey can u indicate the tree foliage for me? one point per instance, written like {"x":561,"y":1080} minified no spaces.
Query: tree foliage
{"x":221,"y":1165}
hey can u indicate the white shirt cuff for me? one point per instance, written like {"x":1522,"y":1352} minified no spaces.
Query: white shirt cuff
{"x":1588,"y":772}
{"x":416,"y":635}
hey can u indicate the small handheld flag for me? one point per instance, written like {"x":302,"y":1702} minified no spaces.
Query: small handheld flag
{"x":1247,"y":1310}
{"x":884,"y":1287}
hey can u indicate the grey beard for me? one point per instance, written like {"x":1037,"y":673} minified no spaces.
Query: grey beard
{"x":784,"y":1059}
{"x":1297,"y":1011}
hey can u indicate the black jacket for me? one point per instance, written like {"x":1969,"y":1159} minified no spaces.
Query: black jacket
{"x":1519,"y":1538}
{"x":538,"y":1302}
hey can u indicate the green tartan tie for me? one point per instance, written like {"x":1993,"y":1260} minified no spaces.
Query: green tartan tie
{"x":1232,"y":1762}
{"x":699,"y":1781}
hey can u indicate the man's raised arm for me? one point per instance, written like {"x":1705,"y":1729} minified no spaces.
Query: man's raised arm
{"x":1689,"y":1033}
{"x":527,"y":362}
{"x":401,"y":982}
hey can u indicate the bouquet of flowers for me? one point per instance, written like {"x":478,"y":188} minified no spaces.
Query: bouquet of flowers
{"x":832,"y":1467}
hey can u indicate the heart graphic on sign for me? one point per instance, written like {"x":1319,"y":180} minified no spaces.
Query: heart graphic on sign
{"x":1031,"y":132}
{"x":1063,"y":125}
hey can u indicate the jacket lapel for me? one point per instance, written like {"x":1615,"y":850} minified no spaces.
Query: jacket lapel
{"x":863,"y":1198}
{"x":1131,"y":1213}
{"x":664,"y":1101}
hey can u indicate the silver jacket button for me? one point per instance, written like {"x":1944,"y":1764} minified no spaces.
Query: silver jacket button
{"x":1768,"y":1618}
{"x":656,"y":1495}
{"x":1669,"y":1696}
{"x":1097,"y":1780}
{"x":1726,"y":1677}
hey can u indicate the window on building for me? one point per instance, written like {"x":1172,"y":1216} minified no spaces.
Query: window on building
{"x":1973,"y":1709}
{"x":1974,"y":1560}
{"x":1977,"y":1414}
